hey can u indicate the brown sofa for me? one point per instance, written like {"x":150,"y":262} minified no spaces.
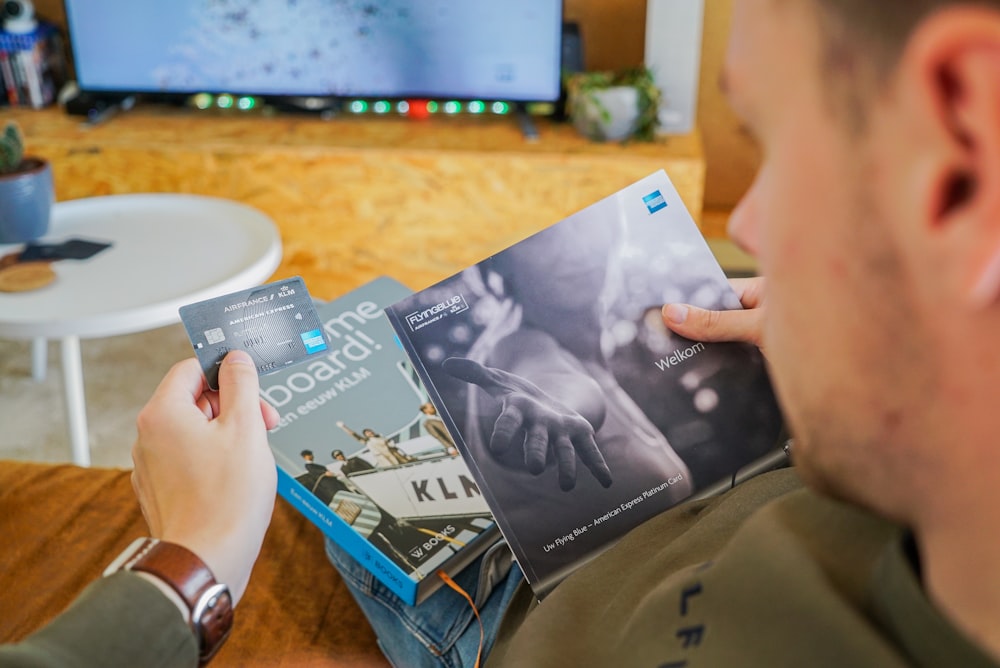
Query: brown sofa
{"x":60,"y":525}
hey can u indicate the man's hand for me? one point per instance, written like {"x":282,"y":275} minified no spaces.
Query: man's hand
{"x":204,"y":473}
{"x":530,"y":416}
{"x":739,"y":325}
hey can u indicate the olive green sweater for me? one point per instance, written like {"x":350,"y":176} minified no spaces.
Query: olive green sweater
{"x":770,"y":574}
{"x":120,"y":620}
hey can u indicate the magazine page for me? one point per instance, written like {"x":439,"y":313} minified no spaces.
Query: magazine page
{"x":580,"y":414}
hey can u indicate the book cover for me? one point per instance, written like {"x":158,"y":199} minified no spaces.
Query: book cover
{"x":579,"y":413}
{"x":361,"y":452}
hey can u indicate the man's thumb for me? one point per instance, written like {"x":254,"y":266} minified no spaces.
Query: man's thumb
{"x":700,"y":324}
{"x":239,"y":386}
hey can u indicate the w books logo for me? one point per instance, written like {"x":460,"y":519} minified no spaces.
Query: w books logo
{"x":416,"y":552}
{"x":654,"y":201}
{"x":432,"y":314}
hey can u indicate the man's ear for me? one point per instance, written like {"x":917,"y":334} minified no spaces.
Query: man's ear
{"x":955,"y":57}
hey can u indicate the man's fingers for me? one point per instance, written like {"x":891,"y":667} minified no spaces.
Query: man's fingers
{"x":270,"y":415}
{"x":700,"y":324}
{"x":749,"y":290}
{"x":185,"y":378}
{"x":208,"y":404}
{"x":239,"y":387}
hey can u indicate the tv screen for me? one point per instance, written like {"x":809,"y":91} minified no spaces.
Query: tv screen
{"x":466,"y":49}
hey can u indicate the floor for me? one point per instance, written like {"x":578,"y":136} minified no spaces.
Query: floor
{"x":120,"y":373}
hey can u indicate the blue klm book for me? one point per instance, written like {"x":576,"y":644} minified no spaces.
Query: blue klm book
{"x":363,"y":455}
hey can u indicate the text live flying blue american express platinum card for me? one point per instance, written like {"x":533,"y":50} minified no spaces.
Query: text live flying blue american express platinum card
{"x":276,"y":323}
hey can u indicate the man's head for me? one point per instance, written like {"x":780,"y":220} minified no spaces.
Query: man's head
{"x":876,"y":219}
{"x":338,"y":454}
{"x":862,"y":42}
{"x":307,"y":455}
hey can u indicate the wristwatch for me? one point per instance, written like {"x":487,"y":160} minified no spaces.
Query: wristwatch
{"x":210,"y":603}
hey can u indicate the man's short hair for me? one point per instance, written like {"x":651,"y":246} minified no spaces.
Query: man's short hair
{"x":306,"y":453}
{"x":337,"y":453}
{"x":863,"y":41}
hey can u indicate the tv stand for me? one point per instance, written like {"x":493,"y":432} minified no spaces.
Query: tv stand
{"x":98,"y":108}
{"x":525,"y":121}
{"x":435,"y":195}
{"x":324,"y":106}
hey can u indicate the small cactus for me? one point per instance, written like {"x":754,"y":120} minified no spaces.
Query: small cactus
{"x":11,"y":149}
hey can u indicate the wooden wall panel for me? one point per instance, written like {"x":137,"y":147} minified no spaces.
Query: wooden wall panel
{"x":731,"y":158}
{"x":613,"y":31}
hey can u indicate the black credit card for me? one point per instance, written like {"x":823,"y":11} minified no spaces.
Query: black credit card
{"x":71,"y":249}
{"x":276,"y":323}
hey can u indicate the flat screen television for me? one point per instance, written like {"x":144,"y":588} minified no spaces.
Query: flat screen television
{"x":285,"y":49}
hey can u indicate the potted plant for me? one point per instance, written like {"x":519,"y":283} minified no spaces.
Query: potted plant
{"x":614,"y":105}
{"x":26,"y":190}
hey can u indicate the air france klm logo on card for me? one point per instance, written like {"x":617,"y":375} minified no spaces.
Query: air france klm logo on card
{"x":313,"y":341}
{"x":654,"y":201}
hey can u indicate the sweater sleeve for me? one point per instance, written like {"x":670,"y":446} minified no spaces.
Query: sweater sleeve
{"x":121,"y":620}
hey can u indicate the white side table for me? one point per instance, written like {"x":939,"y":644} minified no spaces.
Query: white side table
{"x":167,"y":251}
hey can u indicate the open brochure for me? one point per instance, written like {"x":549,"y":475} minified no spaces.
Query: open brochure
{"x":579,"y":414}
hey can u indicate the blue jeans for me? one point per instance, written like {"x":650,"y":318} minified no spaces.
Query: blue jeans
{"x":442,"y":630}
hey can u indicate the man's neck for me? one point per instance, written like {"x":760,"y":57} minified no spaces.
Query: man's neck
{"x":960,"y":575}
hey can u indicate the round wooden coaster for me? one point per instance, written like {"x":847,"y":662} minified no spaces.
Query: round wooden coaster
{"x":9,"y":259}
{"x":26,"y":276}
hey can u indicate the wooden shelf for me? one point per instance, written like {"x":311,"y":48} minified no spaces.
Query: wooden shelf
{"x":359,"y":197}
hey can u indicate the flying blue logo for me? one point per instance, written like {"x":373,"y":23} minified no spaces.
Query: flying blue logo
{"x":654,"y":201}
{"x":313,"y":341}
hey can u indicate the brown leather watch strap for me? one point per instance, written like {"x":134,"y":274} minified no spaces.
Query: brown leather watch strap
{"x":209,"y":602}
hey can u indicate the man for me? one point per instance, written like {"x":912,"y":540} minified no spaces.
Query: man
{"x":876,"y":218}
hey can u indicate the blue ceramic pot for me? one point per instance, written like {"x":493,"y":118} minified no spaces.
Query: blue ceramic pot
{"x":26,"y":199}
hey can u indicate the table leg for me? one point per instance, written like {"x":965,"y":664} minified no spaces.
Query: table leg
{"x":39,"y":358}
{"x":76,"y":412}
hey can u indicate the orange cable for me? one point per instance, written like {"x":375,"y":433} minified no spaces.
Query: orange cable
{"x":482,"y":635}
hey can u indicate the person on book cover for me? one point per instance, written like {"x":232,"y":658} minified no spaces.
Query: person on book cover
{"x":318,"y":480}
{"x":341,"y":467}
{"x":341,"y":464}
{"x":434,"y":426}
{"x":384,"y":451}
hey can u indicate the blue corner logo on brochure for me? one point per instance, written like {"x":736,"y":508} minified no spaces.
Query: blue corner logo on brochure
{"x":654,"y":201}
